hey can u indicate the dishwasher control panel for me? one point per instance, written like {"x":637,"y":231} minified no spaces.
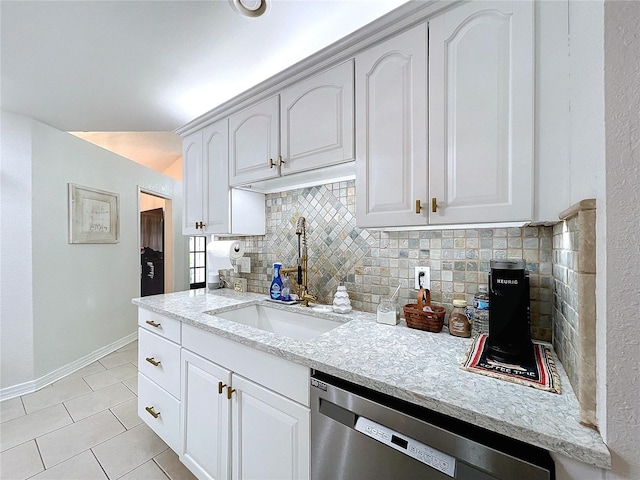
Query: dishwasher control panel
{"x":421,"y":452}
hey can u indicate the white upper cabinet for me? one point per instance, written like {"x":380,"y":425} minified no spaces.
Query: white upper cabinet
{"x":391,"y":130}
{"x":210,"y":207}
{"x":254,"y":142}
{"x":194,"y":179}
{"x":317,"y":120}
{"x":481,"y":117}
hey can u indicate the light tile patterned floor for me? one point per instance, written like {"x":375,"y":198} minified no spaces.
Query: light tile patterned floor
{"x":85,"y":427}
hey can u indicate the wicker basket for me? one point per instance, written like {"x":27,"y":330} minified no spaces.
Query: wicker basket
{"x":416,"y":317}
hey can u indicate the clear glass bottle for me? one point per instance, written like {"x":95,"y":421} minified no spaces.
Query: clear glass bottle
{"x":481,"y":311}
{"x":458,"y":321}
{"x":275,"y":291}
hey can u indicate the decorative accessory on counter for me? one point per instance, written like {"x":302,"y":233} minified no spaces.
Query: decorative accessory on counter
{"x":459,"y":325}
{"x":388,"y":312}
{"x":423,"y":315}
{"x":539,"y":373}
{"x":341,"y":302}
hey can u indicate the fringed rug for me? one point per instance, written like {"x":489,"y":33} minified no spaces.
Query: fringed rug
{"x":541,"y":373}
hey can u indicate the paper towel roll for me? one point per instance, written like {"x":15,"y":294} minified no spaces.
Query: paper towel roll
{"x":219,"y":256}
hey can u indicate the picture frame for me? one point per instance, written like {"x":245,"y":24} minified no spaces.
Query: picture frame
{"x":94,"y":215}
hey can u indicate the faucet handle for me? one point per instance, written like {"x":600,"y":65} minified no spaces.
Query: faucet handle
{"x":306,"y":298}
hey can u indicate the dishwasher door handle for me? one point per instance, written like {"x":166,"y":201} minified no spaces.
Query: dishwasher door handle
{"x":337,"y":413}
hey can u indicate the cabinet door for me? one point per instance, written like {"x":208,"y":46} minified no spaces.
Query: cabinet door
{"x":216,"y":175}
{"x":271,"y":434}
{"x":254,"y":139}
{"x":205,"y":416}
{"x":193,"y":174}
{"x":481,"y":71}
{"x":391,"y":125}
{"x":317,"y":120}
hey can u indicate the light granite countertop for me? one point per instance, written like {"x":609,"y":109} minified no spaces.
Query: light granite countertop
{"x":413,"y":365}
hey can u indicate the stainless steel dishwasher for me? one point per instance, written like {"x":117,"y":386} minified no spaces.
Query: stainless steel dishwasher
{"x":360,"y":434}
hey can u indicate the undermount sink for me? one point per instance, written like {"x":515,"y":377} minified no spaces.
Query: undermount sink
{"x":288,"y":323}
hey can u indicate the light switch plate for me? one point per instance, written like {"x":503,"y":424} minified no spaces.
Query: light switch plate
{"x":422,"y":278}
{"x":243,"y":264}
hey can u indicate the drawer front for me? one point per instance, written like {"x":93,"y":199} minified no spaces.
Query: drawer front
{"x":280,"y":375}
{"x":163,"y":416}
{"x":159,"y":324}
{"x":159,"y":359}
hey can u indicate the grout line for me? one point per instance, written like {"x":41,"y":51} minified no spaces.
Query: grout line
{"x":97,"y":460}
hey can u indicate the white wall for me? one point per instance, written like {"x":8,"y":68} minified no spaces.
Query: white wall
{"x":81,"y":293}
{"x":16,"y":305}
{"x":620,"y":350}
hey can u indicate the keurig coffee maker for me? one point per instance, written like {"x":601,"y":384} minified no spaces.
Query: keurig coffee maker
{"x":509,"y":318}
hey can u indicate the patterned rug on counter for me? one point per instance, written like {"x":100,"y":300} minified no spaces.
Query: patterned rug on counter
{"x":541,"y":373}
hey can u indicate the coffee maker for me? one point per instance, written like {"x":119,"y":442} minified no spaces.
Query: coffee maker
{"x":509,"y":313}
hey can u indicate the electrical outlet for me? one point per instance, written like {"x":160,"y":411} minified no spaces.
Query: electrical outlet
{"x":422,"y":278}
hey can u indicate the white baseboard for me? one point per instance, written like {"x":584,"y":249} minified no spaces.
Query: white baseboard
{"x":58,"y":374}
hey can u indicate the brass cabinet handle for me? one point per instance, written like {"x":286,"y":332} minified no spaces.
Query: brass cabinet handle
{"x":153,"y":324}
{"x":220,"y":387}
{"x":152,"y":412}
{"x":418,"y":207}
{"x":280,"y":161}
{"x":229,"y":392}
{"x":152,"y":361}
{"x":434,"y":204}
{"x":271,"y":164}
{"x":199,"y":225}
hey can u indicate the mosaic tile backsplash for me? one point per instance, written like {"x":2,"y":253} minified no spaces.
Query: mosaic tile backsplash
{"x":372,"y":263}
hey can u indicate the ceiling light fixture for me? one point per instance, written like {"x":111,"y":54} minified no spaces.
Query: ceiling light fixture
{"x":250,"y":8}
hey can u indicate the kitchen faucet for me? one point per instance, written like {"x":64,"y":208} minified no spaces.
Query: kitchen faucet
{"x":302,"y":269}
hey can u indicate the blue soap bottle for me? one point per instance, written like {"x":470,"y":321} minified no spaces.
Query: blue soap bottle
{"x":276,"y":285}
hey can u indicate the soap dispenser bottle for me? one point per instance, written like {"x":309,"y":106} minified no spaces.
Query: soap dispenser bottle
{"x":275,"y":291}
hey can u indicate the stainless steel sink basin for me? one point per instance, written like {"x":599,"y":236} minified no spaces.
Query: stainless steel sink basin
{"x":288,"y":323}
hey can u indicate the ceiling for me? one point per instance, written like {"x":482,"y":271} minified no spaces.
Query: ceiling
{"x":152,"y":66}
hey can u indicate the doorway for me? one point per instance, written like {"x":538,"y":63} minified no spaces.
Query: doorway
{"x":155,"y":244}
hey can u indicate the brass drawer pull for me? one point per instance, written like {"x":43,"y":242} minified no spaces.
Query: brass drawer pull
{"x":152,"y":361}
{"x":152,"y":412}
{"x":229,"y":392}
{"x":153,"y":324}
{"x":220,"y":387}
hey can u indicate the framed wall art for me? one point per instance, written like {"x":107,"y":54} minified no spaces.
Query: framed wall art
{"x":94,"y":215}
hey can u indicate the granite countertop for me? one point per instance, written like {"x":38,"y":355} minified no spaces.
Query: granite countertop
{"x":413,"y":365}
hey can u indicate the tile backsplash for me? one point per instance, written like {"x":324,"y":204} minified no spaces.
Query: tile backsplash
{"x":372,"y":263}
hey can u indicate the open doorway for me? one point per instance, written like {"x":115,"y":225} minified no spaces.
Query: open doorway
{"x":156,"y":256}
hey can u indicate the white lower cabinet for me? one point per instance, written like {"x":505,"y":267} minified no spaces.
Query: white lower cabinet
{"x":270,"y":434}
{"x":159,"y":375}
{"x":160,"y":411}
{"x":206,"y":422}
{"x":236,"y":425}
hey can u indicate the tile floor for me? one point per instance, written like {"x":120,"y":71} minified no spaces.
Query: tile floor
{"x":85,"y":427}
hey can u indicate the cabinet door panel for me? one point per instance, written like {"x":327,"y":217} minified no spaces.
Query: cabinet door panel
{"x":271,"y":434}
{"x":481,"y":113}
{"x":317,"y":120}
{"x":216,"y":152}
{"x":205,"y":416}
{"x":254,"y":139}
{"x":391,"y":148}
{"x":192,"y":177}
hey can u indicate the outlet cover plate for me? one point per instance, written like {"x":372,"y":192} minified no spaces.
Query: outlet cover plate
{"x":422,"y":278}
